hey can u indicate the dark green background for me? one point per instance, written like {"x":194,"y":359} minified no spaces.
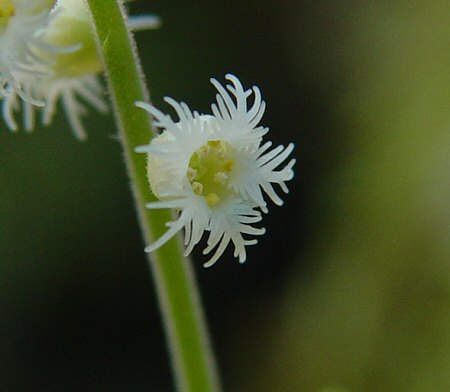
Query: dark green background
{"x":349,"y":290}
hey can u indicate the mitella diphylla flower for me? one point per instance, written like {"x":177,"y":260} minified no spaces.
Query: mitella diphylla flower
{"x":215,"y":170}
{"x":21,"y":24}
{"x":72,"y":76}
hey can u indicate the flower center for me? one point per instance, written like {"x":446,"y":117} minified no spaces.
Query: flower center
{"x":209,"y":169}
{"x":6,"y":11}
{"x":72,"y":27}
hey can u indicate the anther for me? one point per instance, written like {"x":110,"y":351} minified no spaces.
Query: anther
{"x":212,"y":199}
{"x":204,"y":150}
{"x":228,"y":165}
{"x":191,"y":173}
{"x":197,"y":187}
{"x":221,"y":178}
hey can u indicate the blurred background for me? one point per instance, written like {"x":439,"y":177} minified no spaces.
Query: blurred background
{"x":348,"y":291}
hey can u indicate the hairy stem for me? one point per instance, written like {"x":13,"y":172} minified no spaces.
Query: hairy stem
{"x":192,"y":359}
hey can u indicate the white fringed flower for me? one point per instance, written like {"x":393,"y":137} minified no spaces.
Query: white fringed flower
{"x":21,"y":24}
{"x":215,"y":170}
{"x":71,"y":77}
{"x":51,"y":92}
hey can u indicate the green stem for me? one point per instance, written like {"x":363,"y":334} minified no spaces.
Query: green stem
{"x":184,"y":323}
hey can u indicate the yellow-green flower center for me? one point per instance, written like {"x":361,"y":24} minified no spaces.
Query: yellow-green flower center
{"x":209,"y":170}
{"x":67,"y":31}
{"x":6,"y":11}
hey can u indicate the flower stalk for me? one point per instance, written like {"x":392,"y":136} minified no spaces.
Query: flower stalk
{"x":188,"y":340}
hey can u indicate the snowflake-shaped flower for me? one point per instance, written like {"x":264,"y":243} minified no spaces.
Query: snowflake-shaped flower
{"x":70,"y":76}
{"x":215,"y":170}
{"x":21,"y":22}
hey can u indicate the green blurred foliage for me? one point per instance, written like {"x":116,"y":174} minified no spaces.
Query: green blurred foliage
{"x":350,"y":288}
{"x":374,"y":313}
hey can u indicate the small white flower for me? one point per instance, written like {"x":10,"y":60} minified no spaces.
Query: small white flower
{"x":215,"y":170}
{"x":70,"y":77}
{"x":51,"y":92}
{"x":21,"y":24}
